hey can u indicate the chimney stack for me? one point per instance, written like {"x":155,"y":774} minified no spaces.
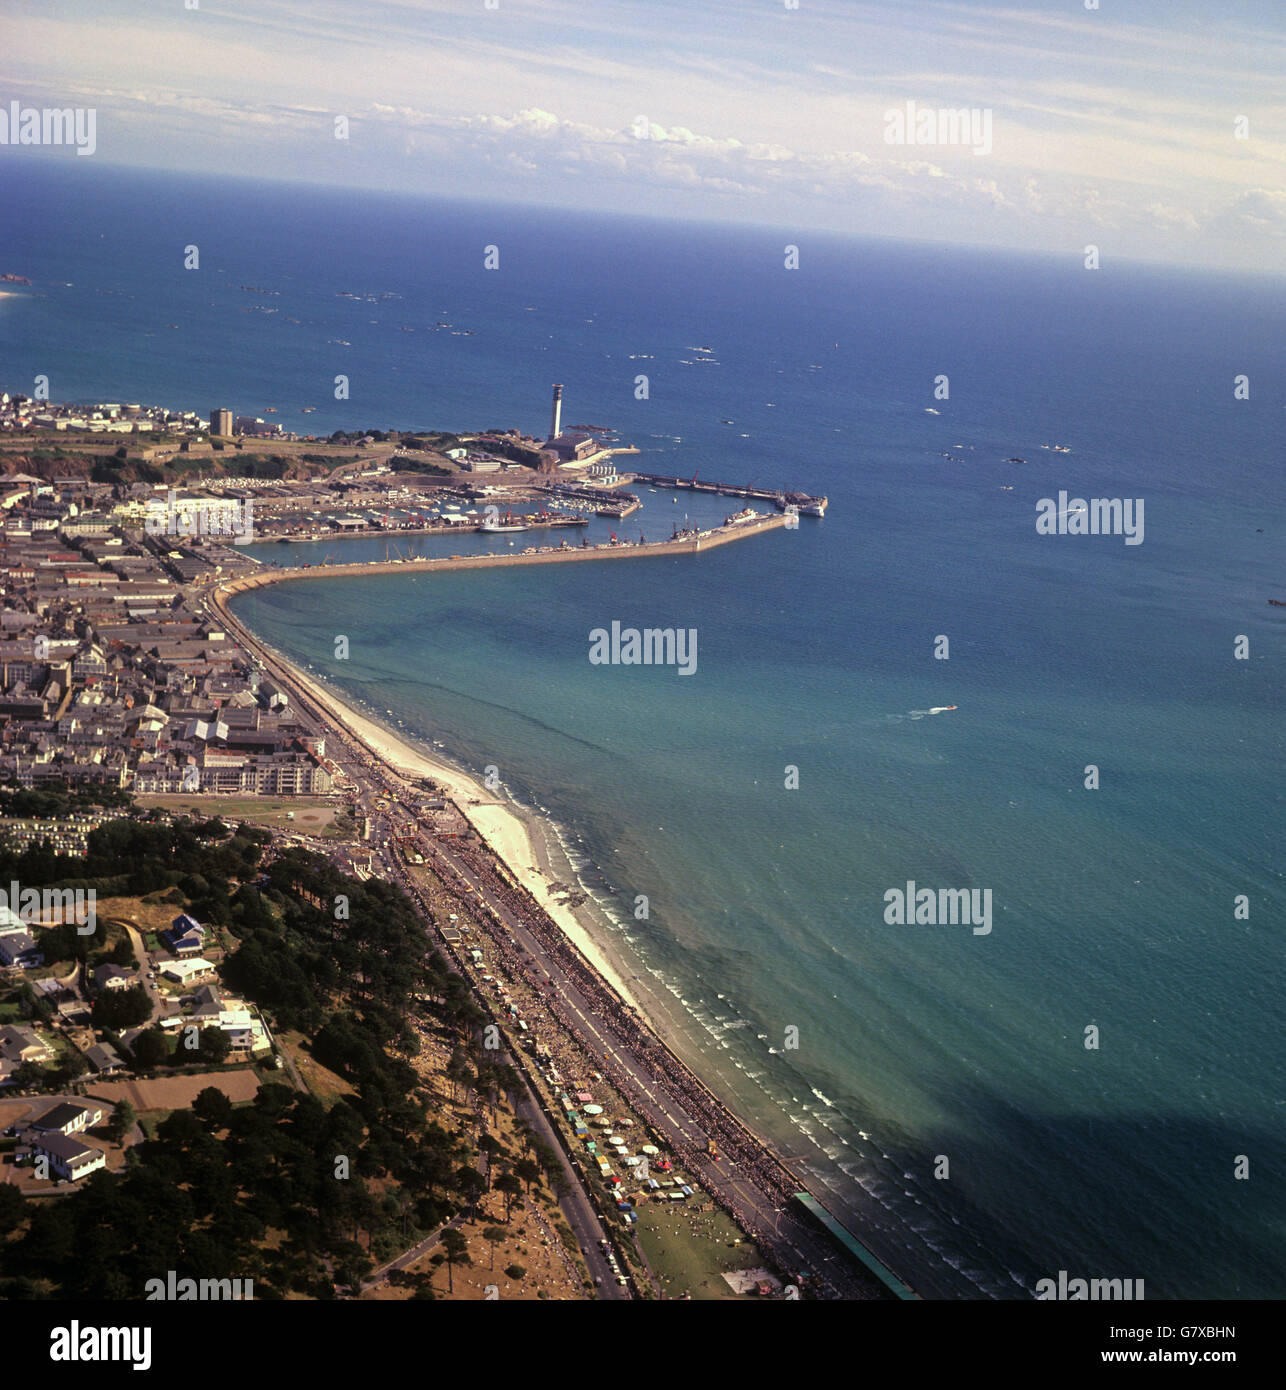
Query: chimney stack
{"x":556,"y":419}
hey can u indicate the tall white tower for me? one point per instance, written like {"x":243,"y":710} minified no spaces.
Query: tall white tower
{"x":556,"y":418}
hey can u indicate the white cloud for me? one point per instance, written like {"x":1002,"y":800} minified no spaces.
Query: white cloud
{"x":1172,"y":218}
{"x":1100,"y":121}
{"x":1263,"y":209}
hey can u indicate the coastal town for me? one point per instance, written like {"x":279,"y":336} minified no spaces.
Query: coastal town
{"x":497,"y":505}
{"x":137,"y":709}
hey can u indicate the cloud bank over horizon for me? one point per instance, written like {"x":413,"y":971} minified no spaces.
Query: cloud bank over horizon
{"x":1045,"y":127}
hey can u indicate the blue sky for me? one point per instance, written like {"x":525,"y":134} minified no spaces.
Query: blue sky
{"x":1113,"y":126}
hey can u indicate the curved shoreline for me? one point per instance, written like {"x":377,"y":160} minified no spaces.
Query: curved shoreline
{"x":511,"y":832}
{"x":514,"y":834}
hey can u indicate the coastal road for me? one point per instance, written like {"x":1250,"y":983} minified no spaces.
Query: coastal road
{"x":582,"y":1217}
{"x":577,"y":1208}
{"x":764,"y":1213}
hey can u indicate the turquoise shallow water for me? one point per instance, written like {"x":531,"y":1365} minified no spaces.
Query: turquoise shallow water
{"x":1112,"y":908}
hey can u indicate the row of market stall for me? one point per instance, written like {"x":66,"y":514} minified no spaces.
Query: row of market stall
{"x":649,"y":1168}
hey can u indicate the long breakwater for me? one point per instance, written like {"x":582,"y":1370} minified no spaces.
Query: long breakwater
{"x":689,"y":544}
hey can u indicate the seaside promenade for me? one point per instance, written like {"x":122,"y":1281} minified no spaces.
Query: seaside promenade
{"x":748,"y":1179}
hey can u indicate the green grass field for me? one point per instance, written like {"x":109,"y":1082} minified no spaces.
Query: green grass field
{"x":690,"y":1249}
{"x":307,"y":815}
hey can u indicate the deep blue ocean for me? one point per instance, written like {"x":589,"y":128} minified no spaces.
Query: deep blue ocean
{"x":1112,"y":907}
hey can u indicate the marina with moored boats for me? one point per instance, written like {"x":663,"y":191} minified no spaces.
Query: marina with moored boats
{"x":802,"y":502}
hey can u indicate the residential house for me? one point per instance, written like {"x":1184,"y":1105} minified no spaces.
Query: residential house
{"x":19,"y":1044}
{"x":104,"y":1059}
{"x":189,"y":971}
{"x":209,"y":1005}
{"x":114,"y":977}
{"x":67,"y":1119}
{"x":185,"y":936}
{"x":18,"y":947}
{"x":69,"y":1158}
{"x":244,"y":1029}
{"x":74,"y":1011}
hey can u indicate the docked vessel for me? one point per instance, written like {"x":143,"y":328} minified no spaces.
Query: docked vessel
{"x":800,"y":502}
{"x":495,"y":524}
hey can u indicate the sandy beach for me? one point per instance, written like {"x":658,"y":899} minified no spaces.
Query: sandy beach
{"x":504,"y":828}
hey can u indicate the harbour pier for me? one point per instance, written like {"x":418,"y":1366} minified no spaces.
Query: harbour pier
{"x":607,"y":502}
{"x":688,"y":542}
{"x":802,"y":502}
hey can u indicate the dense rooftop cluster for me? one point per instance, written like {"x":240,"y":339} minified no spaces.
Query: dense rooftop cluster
{"x":109,"y":674}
